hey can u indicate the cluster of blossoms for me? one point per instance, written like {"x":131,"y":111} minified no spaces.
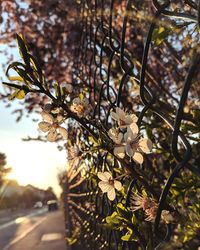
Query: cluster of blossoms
{"x":52,"y":117}
{"x":80,"y":106}
{"x":108,"y":184}
{"x":126,"y":137}
{"x":51,"y":123}
{"x":149,"y":206}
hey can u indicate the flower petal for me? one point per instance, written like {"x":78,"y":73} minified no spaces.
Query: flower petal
{"x":52,"y":135}
{"x":129,"y":151}
{"x":63,"y":132}
{"x":117,"y":185}
{"x":47,"y":117}
{"x":104,"y":176}
{"x":113,"y":132}
{"x":138,"y":157}
{"x":130,"y":136}
{"x":119,"y":151}
{"x":121,"y":114}
{"x":105,"y":186}
{"x":134,"y":118}
{"x":134,"y":129}
{"x":44,"y":126}
{"x":145,"y":145}
{"x":114,"y":116}
{"x":111,"y":194}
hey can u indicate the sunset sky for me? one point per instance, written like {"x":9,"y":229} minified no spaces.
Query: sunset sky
{"x":33,"y":162}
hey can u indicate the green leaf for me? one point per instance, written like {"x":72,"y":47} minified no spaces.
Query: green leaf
{"x":113,"y":218}
{"x":124,"y":212}
{"x":16,"y":78}
{"x":20,"y":68}
{"x":23,"y":49}
{"x":129,"y":236}
{"x":159,"y":34}
{"x":19,"y":94}
{"x":133,"y":220}
{"x":15,"y":65}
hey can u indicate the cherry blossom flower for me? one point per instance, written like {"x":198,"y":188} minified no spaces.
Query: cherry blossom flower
{"x":136,"y":146}
{"x":52,"y":126}
{"x":122,"y":118}
{"x":80,"y":106}
{"x":147,"y":204}
{"x":108,"y":184}
{"x":140,"y":202}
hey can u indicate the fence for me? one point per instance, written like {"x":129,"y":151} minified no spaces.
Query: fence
{"x":110,"y":68}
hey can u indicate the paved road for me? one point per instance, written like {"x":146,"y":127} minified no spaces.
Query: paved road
{"x":42,"y":231}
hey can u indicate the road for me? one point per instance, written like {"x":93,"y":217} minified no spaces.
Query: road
{"x":40,"y":230}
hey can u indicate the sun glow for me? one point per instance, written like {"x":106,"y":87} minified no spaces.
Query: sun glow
{"x":25,"y":176}
{"x":34,"y":163}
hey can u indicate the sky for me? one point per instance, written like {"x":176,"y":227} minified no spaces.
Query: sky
{"x":33,"y":162}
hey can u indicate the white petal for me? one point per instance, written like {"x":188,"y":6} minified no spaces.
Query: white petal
{"x":115,"y":135}
{"x":145,"y":145}
{"x":52,"y":135}
{"x":47,"y":117}
{"x":117,"y":185}
{"x":128,"y":120}
{"x":63,"y":132}
{"x":108,"y":175}
{"x":105,"y":186}
{"x":104,"y":176}
{"x":138,"y":157}
{"x":119,"y":139}
{"x":44,"y":126}
{"x":114,"y":116}
{"x":134,"y":128}
{"x":121,"y":114}
{"x":129,"y":135}
{"x":134,"y":118}
{"x":119,"y":151}
{"x":129,"y":151}
{"x":112,"y":133}
{"x":111,"y":194}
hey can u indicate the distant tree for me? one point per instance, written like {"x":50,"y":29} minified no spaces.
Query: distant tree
{"x":3,"y":169}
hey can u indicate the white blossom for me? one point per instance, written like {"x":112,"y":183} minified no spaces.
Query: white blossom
{"x":80,"y":106}
{"x":122,"y":118}
{"x":108,"y":184}
{"x":147,"y":204}
{"x":135,"y":146}
{"x":52,"y":126}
